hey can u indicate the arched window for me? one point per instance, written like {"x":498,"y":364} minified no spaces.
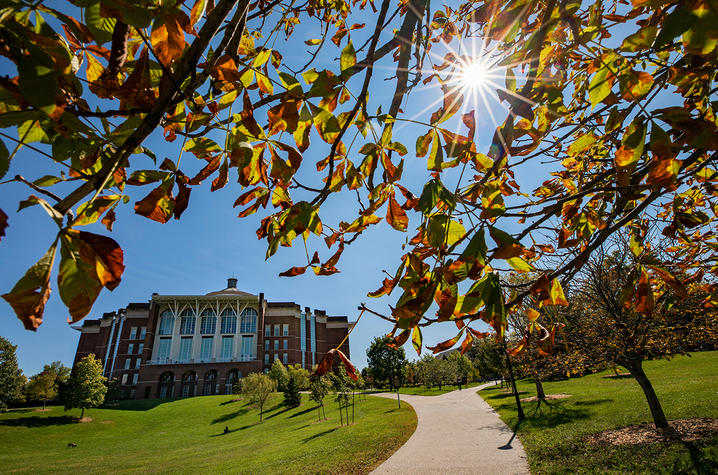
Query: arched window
{"x":210,"y":383}
{"x":209,"y":322}
{"x":167,"y":385}
{"x":229,"y":321}
{"x":167,"y":321}
{"x":233,"y":375}
{"x":249,"y":321}
{"x":189,"y":384}
{"x":187,"y":322}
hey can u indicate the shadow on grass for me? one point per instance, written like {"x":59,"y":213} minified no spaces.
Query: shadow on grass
{"x":701,"y":464}
{"x":230,"y":401}
{"x":300,"y":413}
{"x":230,"y":415}
{"x":503,"y":395}
{"x":617,"y":376}
{"x":592,"y":402}
{"x":39,"y":421}
{"x":556,"y":415}
{"x":139,"y":405}
{"x":319,"y":434}
{"x":276,"y":413}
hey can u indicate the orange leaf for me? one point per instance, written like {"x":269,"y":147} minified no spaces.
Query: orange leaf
{"x":468,"y":342}
{"x":29,"y":295}
{"x":168,"y":40}
{"x":294,"y":271}
{"x":644,"y":295}
{"x":159,"y":205}
{"x":445,"y":345}
{"x":325,"y":365}
{"x":395,"y":215}
{"x":351,"y":370}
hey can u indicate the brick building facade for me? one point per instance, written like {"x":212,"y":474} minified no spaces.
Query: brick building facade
{"x":189,"y":345}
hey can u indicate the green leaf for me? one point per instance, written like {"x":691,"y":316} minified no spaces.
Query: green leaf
{"x":348,"y":57}
{"x":289,"y":81}
{"x":429,"y":197}
{"x":416,"y":339}
{"x":100,"y":27}
{"x":442,"y":229}
{"x":600,"y":87}
{"x":641,"y":39}
{"x":520,"y":265}
{"x":476,"y":249}
{"x":38,"y":80}
{"x":581,"y":144}
{"x":676,"y":23}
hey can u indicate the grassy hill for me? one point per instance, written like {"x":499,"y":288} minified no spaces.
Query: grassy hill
{"x":554,"y":436}
{"x":186,"y":435}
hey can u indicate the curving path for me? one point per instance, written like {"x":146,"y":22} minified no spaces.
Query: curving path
{"x":457,"y":432}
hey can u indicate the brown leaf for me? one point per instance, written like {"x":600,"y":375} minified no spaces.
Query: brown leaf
{"x":445,"y":345}
{"x":294,"y":271}
{"x":644,"y":295}
{"x":325,"y":365}
{"x":671,"y":280}
{"x":222,"y":178}
{"x":159,"y":204}
{"x":109,"y":219}
{"x":28,"y":297}
{"x":210,"y":168}
{"x":351,"y":370}
{"x":400,"y":339}
{"x":3,"y":223}
{"x":468,"y":342}
{"x":395,"y":215}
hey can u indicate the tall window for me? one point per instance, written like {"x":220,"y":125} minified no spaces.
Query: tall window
{"x":140,"y":349}
{"x":247,"y":347}
{"x":285,"y":329}
{"x":266,"y":345}
{"x":276,"y":344}
{"x":127,"y":363}
{"x":209,"y":322}
{"x":285,"y":358}
{"x":138,"y":361}
{"x":187,"y":322}
{"x":267,"y":330}
{"x":229,"y":321}
{"x":249,"y":321}
{"x":266,"y":358}
{"x":133,"y":333}
{"x":276,"y":330}
{"x":206,"y":349}
{"x":167,"y":322}
{"x":130,"y":347}
{"x":227,"y":347}
{"x":185,"y":349}
{"x":143,"y":332}
{"x":124,"y":378}
{"x":134,"y":378}
{"x":286,"y":344}
{"x":163,"y":351}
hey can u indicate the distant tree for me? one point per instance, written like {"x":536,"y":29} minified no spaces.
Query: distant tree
{"x":487,"y":355}
{"x":42,"y":387}
{"x":62,"y":376}
{"x":292,"y":398}
{"x":436,"y":371}
{"x":299,"y":375}
{"x":113,"y":390}
{"x":11,"y":379}
{"x":86,"y":387}
{"x":343,"y":388}
{"x":386,"y":363}
{"x":319,"y":387}
{"x":237,"y":387}
{"x":257,"y":388}
{"x":279,"y":374}
{"x":461,"y":363}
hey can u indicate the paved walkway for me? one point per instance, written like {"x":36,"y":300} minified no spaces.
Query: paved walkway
{"x":457,"y":432}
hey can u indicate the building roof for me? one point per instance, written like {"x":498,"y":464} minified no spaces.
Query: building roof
{"x":231,"y":291}
{"x":138,"y":306}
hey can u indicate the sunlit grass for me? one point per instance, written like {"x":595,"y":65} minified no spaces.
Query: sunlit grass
{"x":553,"y":435}
{"x":186,"y":436}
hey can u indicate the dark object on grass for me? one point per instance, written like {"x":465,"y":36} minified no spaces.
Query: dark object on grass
{"x":226,"y":429}
{"x":71,"y":444}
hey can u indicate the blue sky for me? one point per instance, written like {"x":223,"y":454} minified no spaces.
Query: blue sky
{"x":196,"y":254}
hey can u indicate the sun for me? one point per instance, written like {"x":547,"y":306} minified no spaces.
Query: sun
{"x":475,"y":75}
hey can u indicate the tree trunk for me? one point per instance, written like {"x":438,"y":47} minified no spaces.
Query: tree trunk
{"x":260,"y":413}
{"x":540,"y":394}
{"x":519,"y":409}
{"x":82,"y":414}
{"x":43,"y":405}
{"x":636,"y":369}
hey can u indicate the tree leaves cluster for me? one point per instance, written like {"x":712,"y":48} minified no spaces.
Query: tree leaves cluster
{"x":617,"y":98}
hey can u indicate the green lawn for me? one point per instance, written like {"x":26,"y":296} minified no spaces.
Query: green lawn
{"x":553,"y":435}
{"x":423,"y":391}
{"x":187,"y":436}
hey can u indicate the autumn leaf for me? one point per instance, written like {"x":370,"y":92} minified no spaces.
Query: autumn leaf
{"x":88,"y":263}
{"x":294,"y":271}
{"x":416,"y":339}
{"x":168,"y":39}
{"x":159,"y":205}
{"x":3,"y":223}
{"x":445,"y":345}
{"x":644,"y":295}
{"x":351,"y":370}
{"x":395,"y":215}
{"x":29,"y":296}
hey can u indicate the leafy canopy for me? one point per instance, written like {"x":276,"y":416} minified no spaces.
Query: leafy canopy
{"x":614,"y":104}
